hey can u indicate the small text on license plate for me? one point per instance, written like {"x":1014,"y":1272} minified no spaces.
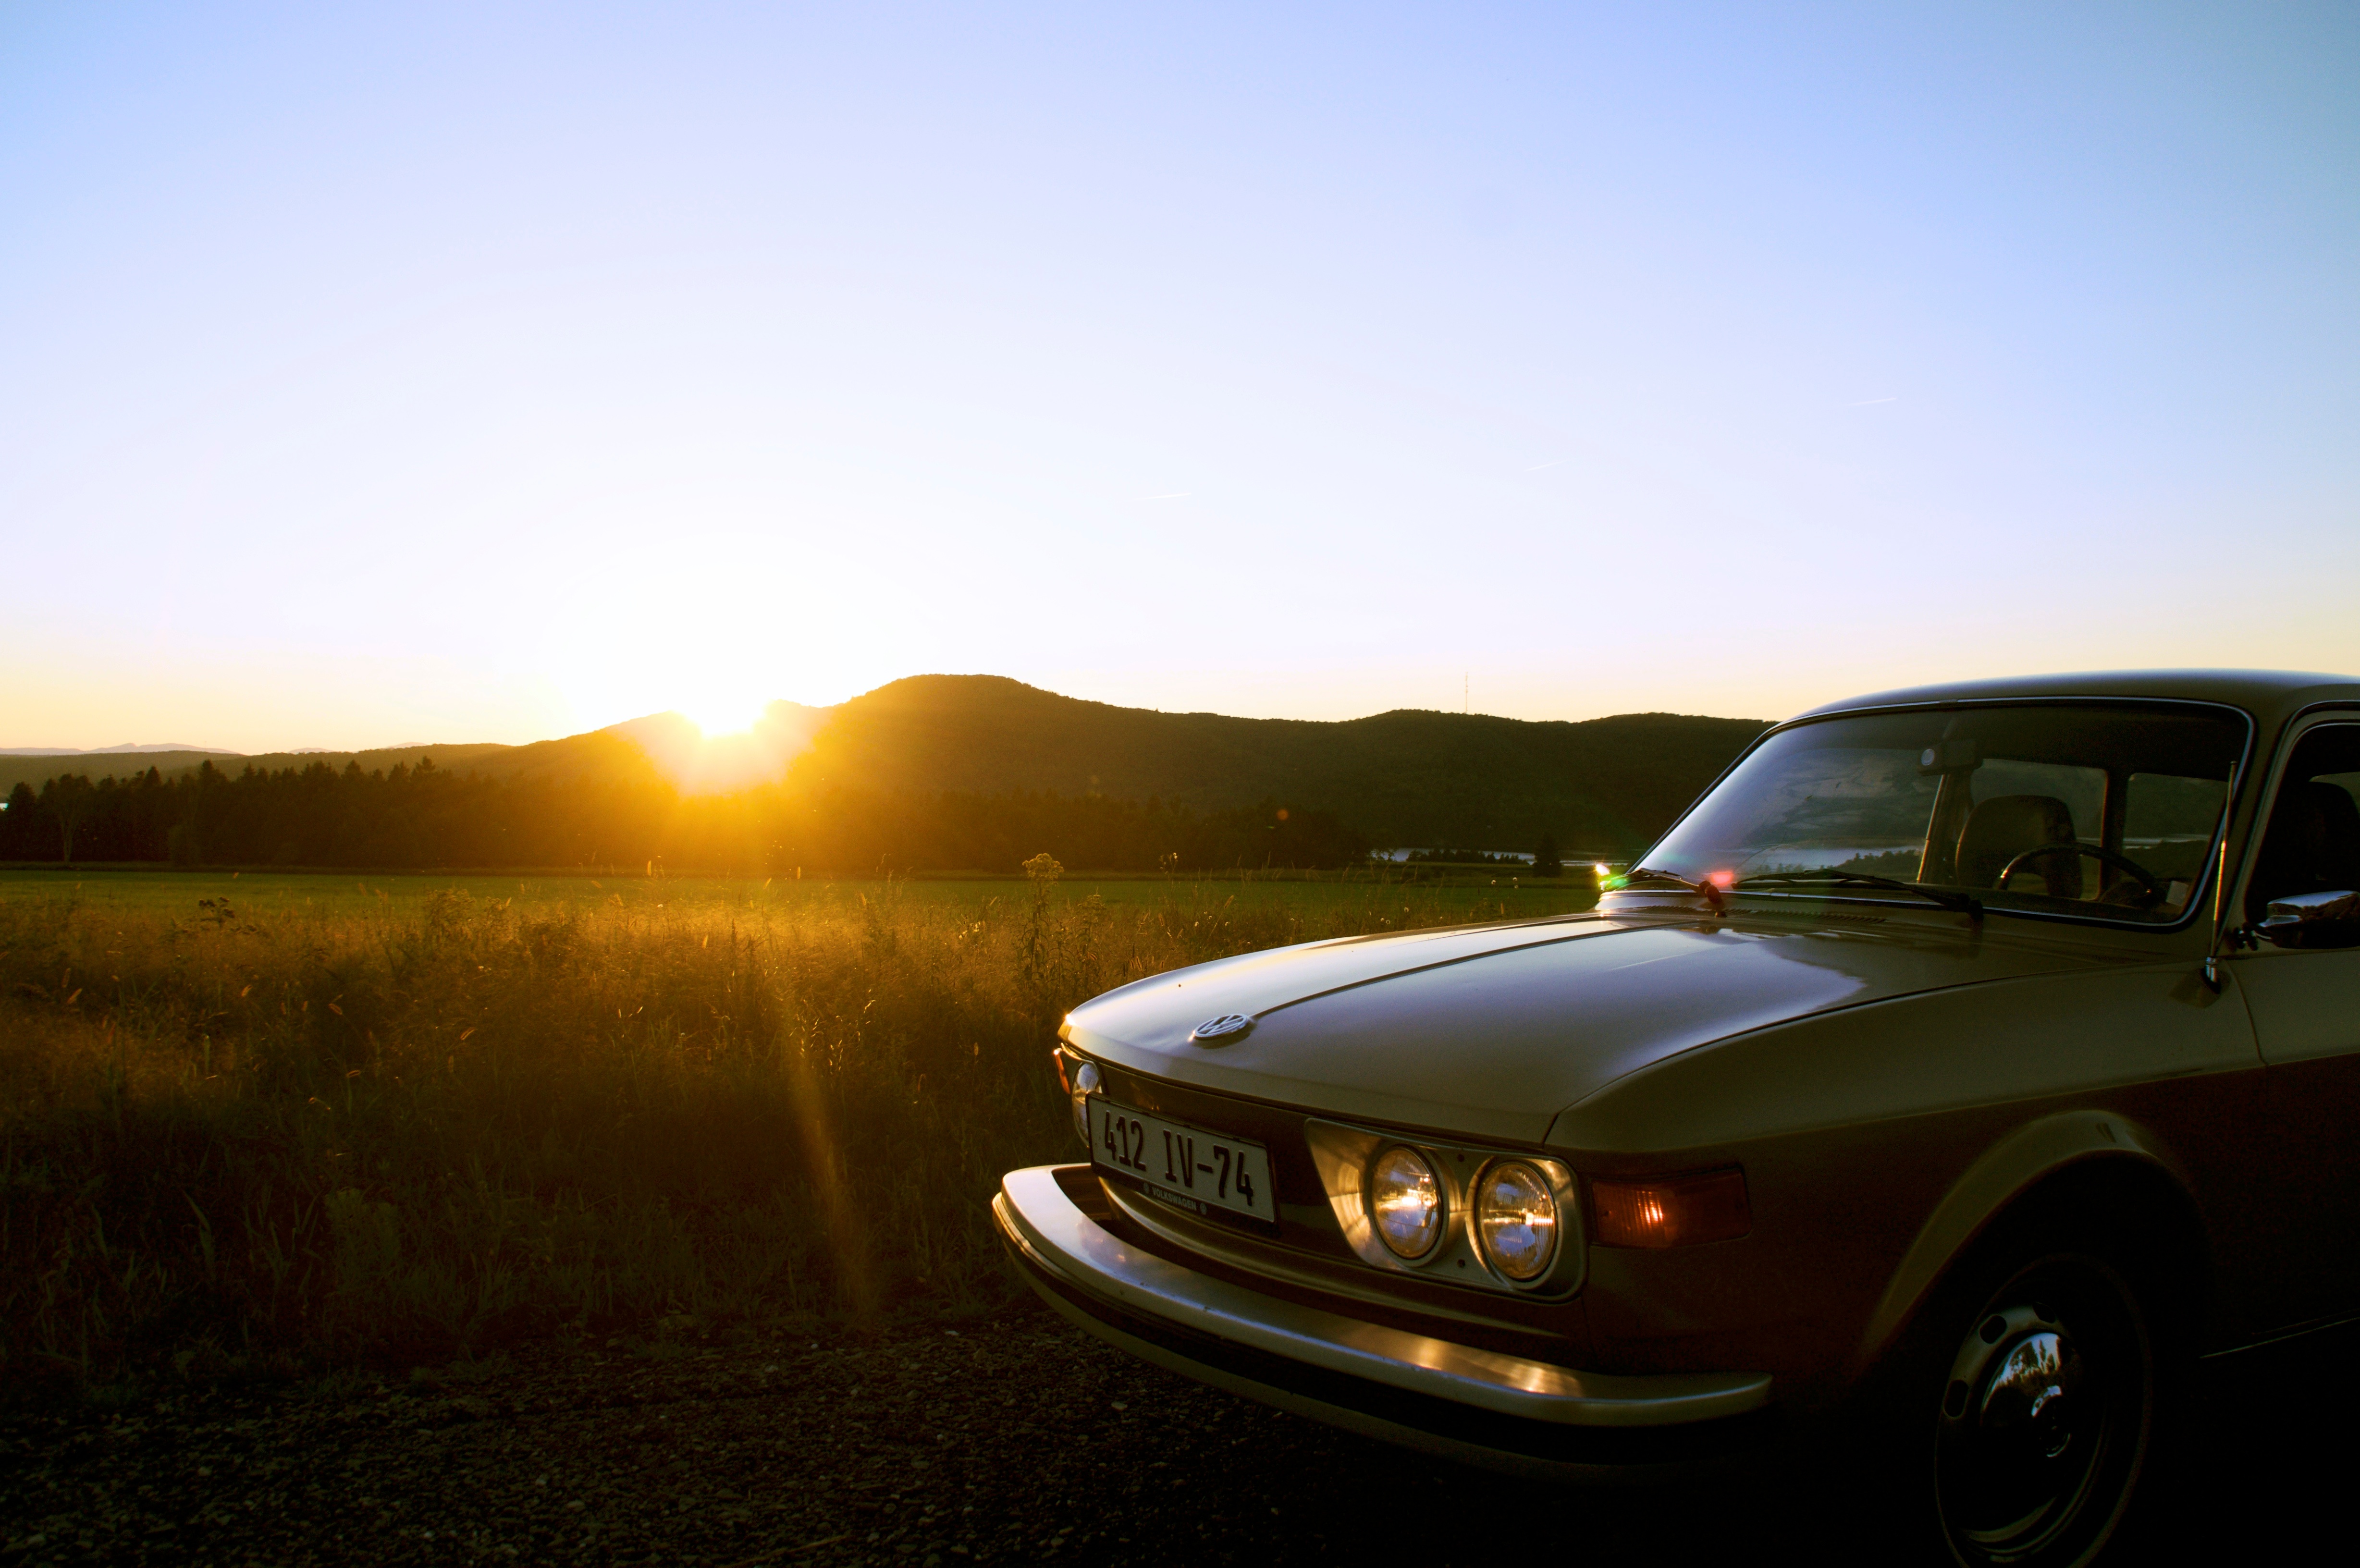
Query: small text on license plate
{"x":1182,"y":1165}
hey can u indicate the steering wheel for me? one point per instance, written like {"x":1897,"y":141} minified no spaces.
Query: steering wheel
{"x":2150,"y":892}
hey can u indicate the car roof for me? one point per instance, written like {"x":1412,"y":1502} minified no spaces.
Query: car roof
{"x":2269,"y":695}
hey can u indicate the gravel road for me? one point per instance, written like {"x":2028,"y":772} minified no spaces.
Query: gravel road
{"x":1012,"y":1440}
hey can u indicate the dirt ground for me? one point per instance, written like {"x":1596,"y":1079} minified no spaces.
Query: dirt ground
{"x":1014,"y":1439}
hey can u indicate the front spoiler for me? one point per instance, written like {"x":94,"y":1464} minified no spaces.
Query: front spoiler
{"x":1484,"y":1406}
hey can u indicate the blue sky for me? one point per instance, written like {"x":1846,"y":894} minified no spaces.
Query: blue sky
{"x":371,"y":374}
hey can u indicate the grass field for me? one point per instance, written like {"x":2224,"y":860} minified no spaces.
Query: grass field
{"x":273,"y":1120}
{"x":1452,"y":892}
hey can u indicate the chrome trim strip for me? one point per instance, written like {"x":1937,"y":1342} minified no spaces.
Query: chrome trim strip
{"x":1057,"y":1237}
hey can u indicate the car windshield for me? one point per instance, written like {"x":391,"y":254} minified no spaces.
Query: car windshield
{"x":2079,"y":809}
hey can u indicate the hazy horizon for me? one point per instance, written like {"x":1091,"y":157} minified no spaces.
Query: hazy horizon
{"x":507,"y":371}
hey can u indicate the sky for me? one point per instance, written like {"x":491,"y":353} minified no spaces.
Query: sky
{"x":372,"y":374}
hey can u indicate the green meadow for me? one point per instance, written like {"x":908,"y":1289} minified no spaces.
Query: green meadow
{"x":269,"y":1122}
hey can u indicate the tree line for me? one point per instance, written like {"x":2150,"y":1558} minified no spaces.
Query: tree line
{"x":426,"y":818}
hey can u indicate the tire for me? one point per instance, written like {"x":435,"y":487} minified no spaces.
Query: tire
{"x":2020,"y":1420}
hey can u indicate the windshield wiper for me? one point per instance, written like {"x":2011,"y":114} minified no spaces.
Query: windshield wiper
{"x":1715,"y":896}
{"x":1964,"y":903}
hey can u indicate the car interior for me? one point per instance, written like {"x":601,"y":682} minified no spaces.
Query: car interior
{"x":2001,"y":829}
{"x":2059,"y":805}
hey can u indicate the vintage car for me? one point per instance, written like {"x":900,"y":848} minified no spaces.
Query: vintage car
{"x":1960,"y":1066}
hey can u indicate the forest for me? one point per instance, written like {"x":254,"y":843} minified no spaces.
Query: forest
{"x":430,"y":818}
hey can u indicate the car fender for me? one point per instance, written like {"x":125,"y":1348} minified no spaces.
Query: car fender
{"x":2008,"y":1169}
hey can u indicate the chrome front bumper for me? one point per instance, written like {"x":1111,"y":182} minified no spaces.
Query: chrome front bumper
{"x":1389,"y":1382}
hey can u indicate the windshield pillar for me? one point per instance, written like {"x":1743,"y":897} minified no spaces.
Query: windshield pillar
{"x":1952,"y":800}
{"x":2114,"y":812}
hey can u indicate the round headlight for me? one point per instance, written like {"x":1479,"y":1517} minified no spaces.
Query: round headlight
{"x":1515,"y":1214}
{"x":1406,"y":1202}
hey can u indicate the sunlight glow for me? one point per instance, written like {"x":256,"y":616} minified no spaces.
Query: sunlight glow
{"x":716,"y":625}
{"x":726,"y":712}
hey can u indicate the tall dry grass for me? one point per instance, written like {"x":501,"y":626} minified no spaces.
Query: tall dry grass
{"x":267,"y":1142}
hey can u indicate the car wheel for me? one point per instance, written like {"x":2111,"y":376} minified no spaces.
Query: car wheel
{"x":2042,"y":1424}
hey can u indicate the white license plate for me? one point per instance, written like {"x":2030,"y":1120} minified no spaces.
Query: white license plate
{"x":1180,"y":1164}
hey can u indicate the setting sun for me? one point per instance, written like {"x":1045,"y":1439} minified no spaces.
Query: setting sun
{"x":725,"y":712}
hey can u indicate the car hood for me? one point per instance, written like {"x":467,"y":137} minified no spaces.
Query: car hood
{"x":1491,"y":1031}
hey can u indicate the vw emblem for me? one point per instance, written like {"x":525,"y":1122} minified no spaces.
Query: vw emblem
{"x":1223,"y":1031}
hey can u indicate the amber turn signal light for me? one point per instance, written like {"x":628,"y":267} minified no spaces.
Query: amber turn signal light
{"x":1679,"y":1211}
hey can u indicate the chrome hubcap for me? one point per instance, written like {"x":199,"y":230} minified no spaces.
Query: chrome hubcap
{"x":2020,"y":1434}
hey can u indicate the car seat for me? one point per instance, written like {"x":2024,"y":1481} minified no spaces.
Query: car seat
{"x":2000,"y":829}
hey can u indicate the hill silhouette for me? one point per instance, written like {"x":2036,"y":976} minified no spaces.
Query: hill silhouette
{"x":1404,"y":777}
{"x":935,"y":771}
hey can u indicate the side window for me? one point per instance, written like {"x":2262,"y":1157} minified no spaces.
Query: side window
{"x":2313,"y":843}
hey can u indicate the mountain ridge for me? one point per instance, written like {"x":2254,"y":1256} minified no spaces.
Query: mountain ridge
{"x":1404,"y":777}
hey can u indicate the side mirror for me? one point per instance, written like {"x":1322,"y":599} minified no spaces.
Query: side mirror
{"x":2313,"y":919}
